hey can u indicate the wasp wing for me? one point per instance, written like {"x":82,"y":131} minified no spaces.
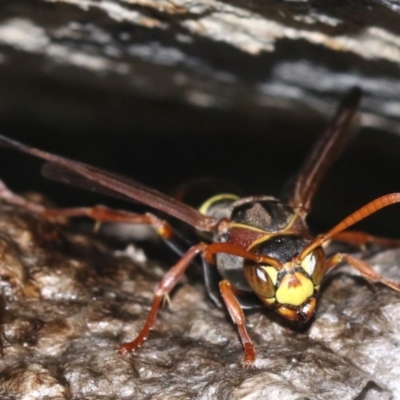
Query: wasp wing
{"x":324,"y":153}
{"x":112,"y":183}
{"x":62,"y":174}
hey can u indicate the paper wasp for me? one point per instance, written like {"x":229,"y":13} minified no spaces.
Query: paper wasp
{"x":255,"y":250}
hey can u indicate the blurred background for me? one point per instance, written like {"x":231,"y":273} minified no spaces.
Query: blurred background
{"x":170,"y":91}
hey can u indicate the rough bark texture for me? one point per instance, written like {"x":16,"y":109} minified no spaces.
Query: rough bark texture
{"x":167,"y":91}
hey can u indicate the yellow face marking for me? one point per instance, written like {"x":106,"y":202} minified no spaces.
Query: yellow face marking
{"x":272,"y":273}
{"x":314,"y":264}
{"x":207,"y":204}
{"x":294,"y":289}
{"x":308,"y":263}
{"x":268,"y":300}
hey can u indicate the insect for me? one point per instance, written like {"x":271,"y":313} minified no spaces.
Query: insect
{"x":255,"y":250}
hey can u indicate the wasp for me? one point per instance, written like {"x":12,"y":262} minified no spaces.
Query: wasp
{"x":255,"y":250}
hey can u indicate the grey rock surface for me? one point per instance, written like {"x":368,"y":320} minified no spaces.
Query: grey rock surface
{"x":68,"y":301}
{"x":232,"y":89}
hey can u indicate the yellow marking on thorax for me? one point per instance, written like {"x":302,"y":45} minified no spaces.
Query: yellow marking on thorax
{"x":245,"y":226}
{"x":266,"y":237}
{"x":292,"y":221}
{"x":283,"y":231}
{"x":294,"y":289}
{"x":206,"y":205}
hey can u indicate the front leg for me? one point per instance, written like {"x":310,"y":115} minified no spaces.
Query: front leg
{"x":365,"y":270}
{"x":172,"y":277}
{"x":237,"y":315}
{"x":163,"y":289}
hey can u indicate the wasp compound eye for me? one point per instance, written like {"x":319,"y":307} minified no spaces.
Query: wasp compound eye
{"x":314,"y":265}
{"x":262,"y":279}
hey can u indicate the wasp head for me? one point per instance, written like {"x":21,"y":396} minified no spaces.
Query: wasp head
{"x":290,"y":285}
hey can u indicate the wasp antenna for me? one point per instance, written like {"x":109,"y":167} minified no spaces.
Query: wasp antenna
{"x":362,"y":213}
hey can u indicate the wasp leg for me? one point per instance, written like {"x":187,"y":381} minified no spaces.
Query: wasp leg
{"x":359,"y":238}
{"x":363,"y":268}
{"x":97,"y":213}
{"x":169,"y":281}
{"x":237,"y":315}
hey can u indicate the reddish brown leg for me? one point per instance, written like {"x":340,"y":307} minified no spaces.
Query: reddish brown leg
{"x":169,"y":281}
{"x":97,"y":213}
{"x":359,"y":238}
{"x":365,"y":270}
{"x":237,"y":315}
